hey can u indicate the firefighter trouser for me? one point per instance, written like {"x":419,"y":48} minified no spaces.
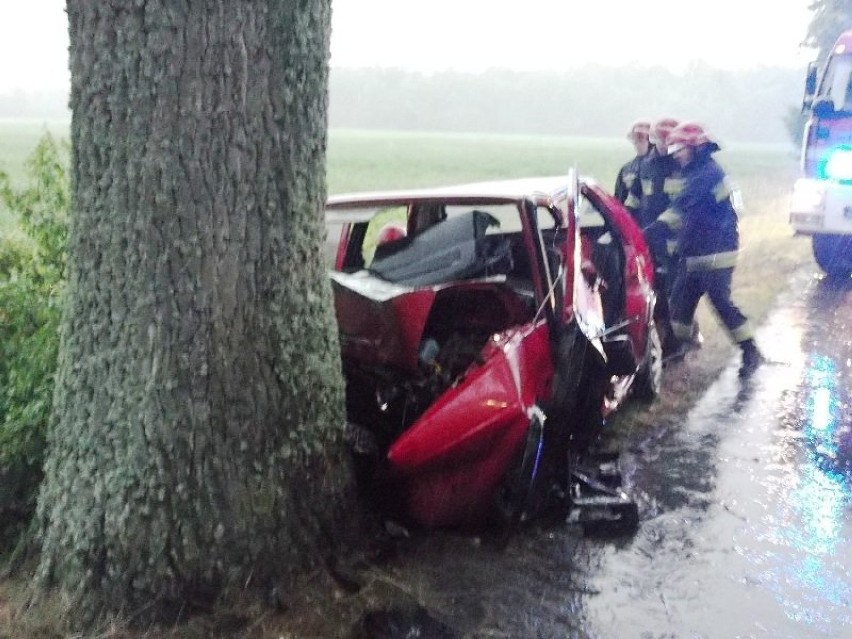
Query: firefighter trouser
{"x":662,"y":313}
{"x":690,"y":286}
{"x":665,"y":267}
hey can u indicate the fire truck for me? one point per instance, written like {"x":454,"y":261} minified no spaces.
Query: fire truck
{"x":821,"y":205}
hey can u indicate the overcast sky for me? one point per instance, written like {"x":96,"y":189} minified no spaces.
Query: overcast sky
{"x":473,"y":35}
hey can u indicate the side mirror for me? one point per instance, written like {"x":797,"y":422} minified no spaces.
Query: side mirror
{"x":823,"y":108}
{"x":811,"y":80}
{"x":810,"y":86}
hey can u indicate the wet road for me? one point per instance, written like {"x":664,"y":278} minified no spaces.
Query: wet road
{"x":746,"y":507}
{"x":746,"y":511}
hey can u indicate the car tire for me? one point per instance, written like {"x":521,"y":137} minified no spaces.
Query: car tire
{"x":649,"y":377}
{"x":833,"y":253}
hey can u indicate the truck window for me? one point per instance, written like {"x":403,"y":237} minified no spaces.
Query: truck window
{"x":837,"y":82}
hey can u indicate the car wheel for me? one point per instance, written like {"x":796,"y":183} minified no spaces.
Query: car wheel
{"x":649,"y":377}
{"x":833,"y":253}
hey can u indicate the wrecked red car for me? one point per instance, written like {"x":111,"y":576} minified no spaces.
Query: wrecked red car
{"x":486,"y":331}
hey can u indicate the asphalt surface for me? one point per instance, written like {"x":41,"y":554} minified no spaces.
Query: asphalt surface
{"x":747,"y":506}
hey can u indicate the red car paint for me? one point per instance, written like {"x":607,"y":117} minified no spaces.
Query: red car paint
{"x":460,"y":449}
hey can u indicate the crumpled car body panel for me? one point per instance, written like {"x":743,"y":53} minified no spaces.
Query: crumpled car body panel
{"x":449,"y":330}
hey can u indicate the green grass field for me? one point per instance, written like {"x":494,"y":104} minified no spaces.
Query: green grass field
{"x":371,"y":160}
{"x":366,"y":160}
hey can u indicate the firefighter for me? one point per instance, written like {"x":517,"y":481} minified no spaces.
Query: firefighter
{"x":658,"y":173}
{"x":627,"y":188}
{"x":659,"y":181}
{"x":703,"y":220}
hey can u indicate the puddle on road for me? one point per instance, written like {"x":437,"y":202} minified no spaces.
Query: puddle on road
{"x":747,"y":508}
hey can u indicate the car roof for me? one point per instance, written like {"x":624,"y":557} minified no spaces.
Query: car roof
{"x":843,"y":40}
{"x":555,"y":187}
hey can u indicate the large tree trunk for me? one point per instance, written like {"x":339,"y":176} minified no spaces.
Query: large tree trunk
{"x":196,"y":445}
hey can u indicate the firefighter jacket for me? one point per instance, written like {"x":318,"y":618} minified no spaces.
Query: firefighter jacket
{"x":659,"y":176}
{"x":627,"y":187}
{"x":702,"y":216}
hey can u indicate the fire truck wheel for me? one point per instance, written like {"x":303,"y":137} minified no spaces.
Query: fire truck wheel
{"x":833,"y":253}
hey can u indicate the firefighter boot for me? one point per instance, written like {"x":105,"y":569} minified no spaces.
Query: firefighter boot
{"x":696,"y":339}
{"x":752,"y":358}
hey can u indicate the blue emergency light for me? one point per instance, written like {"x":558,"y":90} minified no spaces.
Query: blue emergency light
{"x":838,"y":165}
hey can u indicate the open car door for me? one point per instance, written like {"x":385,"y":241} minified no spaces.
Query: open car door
{"x":581,"y":300}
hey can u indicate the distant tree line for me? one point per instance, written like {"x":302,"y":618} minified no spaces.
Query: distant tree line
{"x":749,"y":105}
{"x":52,"y":105}
{"x":753,"y":105}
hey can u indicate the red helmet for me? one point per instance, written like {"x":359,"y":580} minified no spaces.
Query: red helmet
{"x":687,"y":134}
{"x":661,"y":129}
{"x":389,"y":233}
{"x":639,"y":127}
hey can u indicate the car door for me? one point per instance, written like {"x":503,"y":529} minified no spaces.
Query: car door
{"x":580,"y":301}
{"x":637,"y":272}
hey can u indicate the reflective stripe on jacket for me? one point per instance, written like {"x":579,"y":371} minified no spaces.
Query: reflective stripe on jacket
{"x":627,"y":187}
{"x":660,"y":182}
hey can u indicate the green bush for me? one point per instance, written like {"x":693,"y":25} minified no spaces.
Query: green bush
{"x":31,"y":284}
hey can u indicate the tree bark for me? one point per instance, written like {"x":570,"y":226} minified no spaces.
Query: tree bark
{"x":196,"y":445}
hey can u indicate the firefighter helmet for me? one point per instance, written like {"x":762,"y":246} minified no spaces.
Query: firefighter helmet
{"x":389,"y":233}
{"x":639,"y":127}
{"x":661,"y":129}
{"x":688,"y":134}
